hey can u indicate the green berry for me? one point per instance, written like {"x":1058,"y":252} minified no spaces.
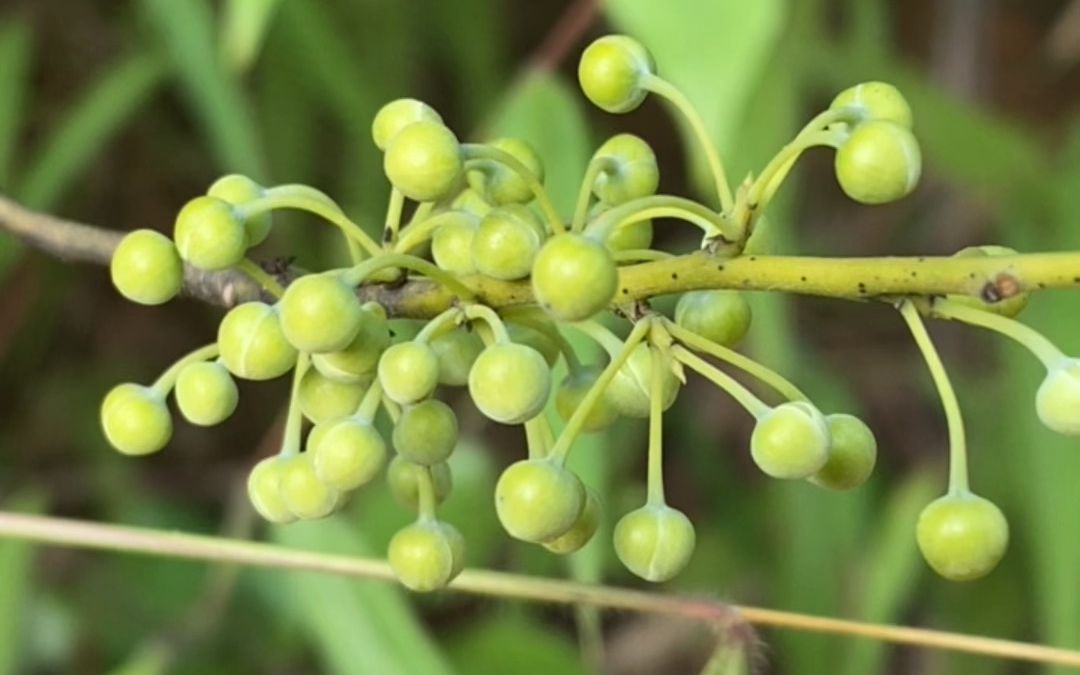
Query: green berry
{"x":1011,"y":306}
{"x":631,"y":171}
{"x":581,"y":532}
{"x":470,"y":201}
{"x":852,"y":453}
{"x":573,"y":389}
{"x":253,"y":344}
{"x":322,"y":399}
{"x":611,"y":73}
{"x":146,"y":268}
{"x":264,"y":490}
{"x":403,"y":477}
{"x":962,"y":536}
{"x":720,"y":316}
{"x":303,"y":493}
{"x":633,"y":237}
{"x":879,"y":162}
{"x":654,"y":542}
{"x":451,"y":245}
{"x":356,"y":363}
{"x":875,"y":101}
{"x":537,"y":500}
{"x":537,"y":339}
{"x":409,"y":372}
{"x":347,"y":453}
{"x":423,"y":161}
{"x":498,"y":183}
{"x":209,"y":234}
{"x":628,"y":392}
{"x":506,"y":242}
{"x":457,"y":350}
{"x":398,"y":114}
{"x":791,"y":441}
{"x":426,"y":433}
{"x":320,"y":313}
{"x":1058,"y":400}
{"x":427,"y":555}
{"x":510,"y":383}
{"x":574,"y":277}
{"x":239,"y":190}
{"x":135,"y":419}
{"x":206,"y":393}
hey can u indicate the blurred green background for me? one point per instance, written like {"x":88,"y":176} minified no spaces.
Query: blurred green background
{"x":115,"y":113}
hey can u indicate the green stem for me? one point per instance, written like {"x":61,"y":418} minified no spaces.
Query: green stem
{"x":304,"y":198}
{"x":476,"y":151}
{"x":1044,"y":350}
{"x":393,"y":410}
{"x":561,"y":450}
{"x":267,"y":282}
{"x":659,"y":206}
{"x":639,"y":255}
{"x":743,"y":396}
{"x":662,"y":87}
{"x":958,"y":470}
{"x":167,"y":380}
{"x":601,"y":335}
{"x":393,"y":216}
{"x":294,"y":419}
{"x":766,"y":185}
{"x":369,"y":405}
{"x":655,"y":479}
{"x":420,"y":229}
{"x":437,"y":326}
{"x":425,"y":489}
{"x":356,"y":275}
{"x":767,"y":375}
{"x":491,"y":318}
{"x":596,"y":166}
{"x":535,"y":439}
{"x":533,"y":317}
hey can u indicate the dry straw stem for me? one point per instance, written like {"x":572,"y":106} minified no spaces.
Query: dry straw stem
{"x":990,"y":278}
{"x":73,"y":533}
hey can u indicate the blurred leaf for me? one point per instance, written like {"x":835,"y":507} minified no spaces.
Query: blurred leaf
{"x":243,"y":30}
{"x":512,"y":643}
{"x":186,"y":29}
{"x":99,"y":113}
{"x":888,"y":571}
{"x":16,"y":570}
{"x":357,"y":626}
{"x":728,"y":658}
{"x":15,"y":52}
{"x":544,"y":111}
{"x":716,"y":51}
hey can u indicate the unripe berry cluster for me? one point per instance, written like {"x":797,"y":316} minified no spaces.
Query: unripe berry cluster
{"x":488,"y":219}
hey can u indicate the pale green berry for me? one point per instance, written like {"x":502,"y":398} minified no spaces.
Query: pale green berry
{"x":1058,"y":400}
{"x":209,"y":234}
{"x":1010,"y":306}
{"x":320,"y":313}
{"x":581,"y":532}
{"x":573,"y":389}
{"x":403,"y":477}
{"x":630,"y":170}
{"x":206,"y":393}
{"x":426,"y":433}
{"x":347,"y":453}
{"x":398,"y":114}
{"x":457,"y":350}
{"x":629,"y":391}
{"x":574,"y":277}
{"x":535,"y":338}
{"x":146,"y":268}
{"x":239,"y":190}
{"x":423,"y":161}
{"x":356,"y":363}
{"x":506,"y":242}
{"x":427,"y":555}
{"x":791,"y":441}
{"x":451,"y":245}
{"x":135,"y":419}
{"x":498,"y":183}
{"x":537,"y":500}
{"x":721,"y":316}
{"x":252,"y":343}
{"x":655,"y":542}
{"x":962,"y":536}
{"x":303,"y":493}
{"x":637,"y":236}
{"x":264,"y":490}
{"x":875,"y":101}
{"x":611,"y":73}
{"x":879,"y":162}
{"x":852,"y":453}
{"x":408,"y":372}
{"x":470,"y":201}
{"x":322,"y":399}
{"x":510,"y":383}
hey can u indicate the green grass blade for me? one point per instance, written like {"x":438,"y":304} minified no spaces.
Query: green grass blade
{"x":243,"y":30}
{"x":16,"y":571}
{"x":102,"y":110}
{"x":186,"y":30}
{"x":16,"y":48}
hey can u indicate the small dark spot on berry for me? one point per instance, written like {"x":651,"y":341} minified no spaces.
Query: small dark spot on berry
{"x":719,"y":268}
{"x":626,"y":291}
{"x":674,"y":275}
{"x":802,"y":278}
{"x":914,"y":274}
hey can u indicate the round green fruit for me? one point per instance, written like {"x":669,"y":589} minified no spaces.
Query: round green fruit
{"x":581,"y":532}
{"x":537,"y":500}
{"x":852,"y":453}
{"x":875,"y":101}
{"x":654,"y":542}
{"x":426,"y":433}
{"x":457,"y":350}
{"x":451,"y":245}
{"x":403,"y":477}
{"x":322,"y":399}
{"x":791,"y":441}
{"x":1058,"y":400}
{"x":962,"y":536}
{"x":572,"y":390}
{"x":630,"y":170}
{"x":718,"y":315}
{"x":408,"y":372}
{"x":510,"y":383}
{"x":320,"y":313}
{"x":206,"y":393}
{"x":264,"y":490}
{"x":628,"y":392}
{"x":498,"y":183}
{"x":348,"y":453}
{"x":423,"y":161}
{"x":135,"y":419}
{"x":427,"y":555}
{"x":611,"y":73}
{"x":146,"y":268}
{"x":252,"y":343}
{"x":574,"y":277}
{"x":506,"y":242}
{"x":879,"y":162}
{"x":239,"y":190}
{"x":398,"y":114}
{"x":356,"y":363}
{"x":302,"y":492}
{"x":209,"y":234}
